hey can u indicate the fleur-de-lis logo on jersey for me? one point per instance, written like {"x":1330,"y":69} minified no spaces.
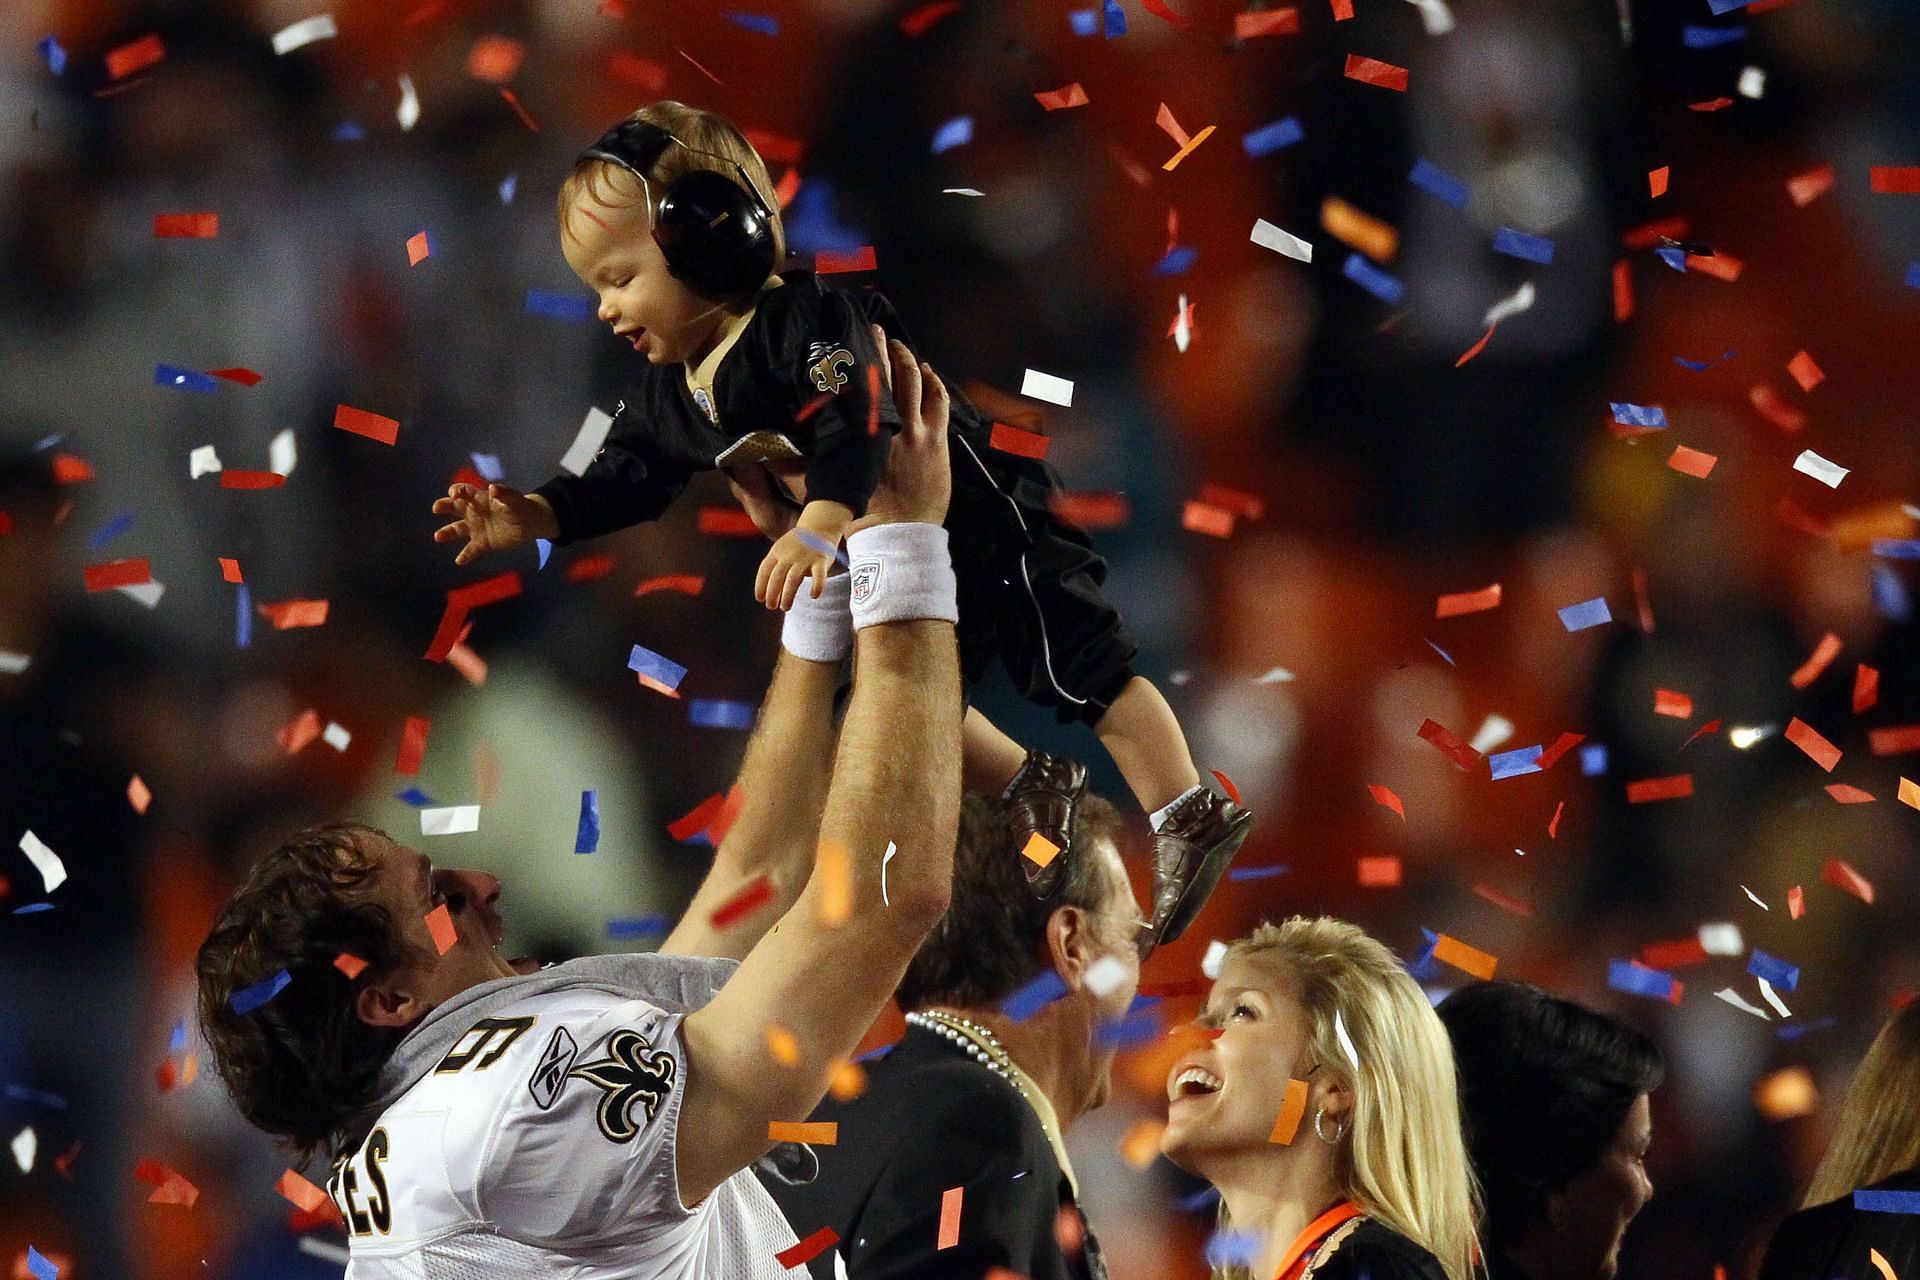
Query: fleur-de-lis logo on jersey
{"x":826,"y":361}
{"x":633,"y":1071}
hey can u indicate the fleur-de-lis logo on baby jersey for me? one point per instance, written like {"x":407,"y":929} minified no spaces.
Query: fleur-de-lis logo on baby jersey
{"x":633,"y":1071}
{"x":825,"y":361}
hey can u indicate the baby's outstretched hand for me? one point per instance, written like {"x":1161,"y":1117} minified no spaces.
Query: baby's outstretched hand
{"x":495,"y":518}
{"x":797,"y":555}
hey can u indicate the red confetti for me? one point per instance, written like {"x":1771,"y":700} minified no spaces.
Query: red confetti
{"x":117,"y":573}
{"x":303,"y":1193}
{"x":533,"y":126}
{"x":1090,"y":510}
{"x":1678,"y":954}
{"x":460,"y":601}
{"x":230,"y":570}
{"x":1373,"y":71}
{"x":1810,"y":186}
{"x":1025,"y":444}
{"x":186,"y":226}
{"x":299,"y":732}
{"x":1243,"y":504}
{"x":820,"y":1241}
{"x":169,"y":1187}
{"x":1342,"y":9}
{"x":1823,"y":653}
{"x":231,"y":479}
{"x":1384,"y":796}
{"x":1159,"y":9}
{"x":1553,"y":826}
{"x":700,"y":818}
{"x":1622,"y":291}
{"x":290,"y":614}
{"x":1668,"y":703}
{"x":1467,"y":602}
{"x":1450,"y":744}
{"x":829,"y":262}
{"x":1844,"y":878}
{"x":413,"y":745}
{"x":1895,"y":180}
{"x":351,"y":965}
{"x":1649,"y":790}
{"x":1711,"y":726}
{"x":1894,"y":741}
{"x":1272,"y":22}
{"x":1808,"y":739}
{"x":1846,"y":794}
{"x":1642,"y":601}
{"x":371,"y":425}
{"x":1866,"y":688}
{"x":135,"y":56}
{"x":727,"y":522}
{"x":1202,"y":517}
{"x":1796,"y":902}
{"x":1692,"y":462}
{"x":1061,"y":99}
{"x":440,"y":925}
{"x":1657,"y":181}
{"x":587,"y":568}
{"x":743,"y":904}
{"x":1505,"y":901}
{"x":691,"y":584}
{"x":1805,"y":371}
{"x":923,"y":19}
{"x":1477,"y":347}
{"x":495,"y":59}
{"x":1714,"y":104}
{"x":1721,"y":266}
{"x":1775,"y":410}
{"x":1379,"y":872}
{"x":1226,"y":785}
{"x":644,"y":74}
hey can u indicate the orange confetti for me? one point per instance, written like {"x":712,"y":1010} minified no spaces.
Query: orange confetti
{"x":1292,"y":1107}
{"x":1359,"y":230}
{"x":949,"y":1218}
{"x":1477,"y":347}
{"x":1204,"y":517}
{"x":1692,"y":462}
{"x":922,"y":20}
{"x":1808,"y":739}
{"x":834,"y":868}
{"x":823,"y":1133}
{"x":1668,"y":703}
{"x":1241,"y":503}
{"x":1141,"y":1145}
{"x":1373,"y":71}
{"x":849,"y":1082}
{"x":440,"y":925}
{"x":134,"y":56}
{"x":1384,"y":796}
{"x":230,"y":570}
{"x":1846,"y":794}
{"x":1061,"y":99}
{"x":291,"y":614}
{"x":1844,"y":878}
{"x":1450,"y":950}
{"x":782,"y":1045}
{"x":1090,"y":510}
{"x":1823,"y":653}
{"x":1880,"y":1263}
{"x":1039,"y":850}
{"x":1271,"y":22}
{"x":1796,"y":902}
{"x":1910,"y":793}
{"x":351,"y":965}
{"x":1894,"y":741}
{"x":186,"y":226}
{"x":1468,"y":602}
{"x":1170,"y":126}
{"x":1188,"y":149}
{"x":1657,"y":181}
{"x":1721,"y":266}
{"x":418,"y":249}
{"x":138,"y":795}
{"x":1381,"y":872}
{"x":1805,"y":371}
{"x":1810,"y":186}
{"x":1866,"y":688}
{"x":303,"y":1193}
{"x":1775,"y":410}
{"x":495,"y":59}
{"x":1342,"y":9}
{"x":1649,"y":790}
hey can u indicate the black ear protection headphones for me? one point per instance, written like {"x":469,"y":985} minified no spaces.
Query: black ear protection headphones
{"x":716,"y":233}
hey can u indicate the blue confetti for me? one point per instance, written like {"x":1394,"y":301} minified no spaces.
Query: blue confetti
{"x":543,"y":549}
{"x":719,"y":713}
{"x":32,"y":908}
{"x":1269,"y":138}
{"x":1258,"y":873}
{"x":347,"y":131}
{"x":177,"y":1042}
{"x":558,"y":305}
{"x":1794,"y":1030}
{"x":1199,"y":1200}
{"x":640,"y":927}
{"x":247,"y":999}
{"x":1439,"y":184}
{"x":488,"y":465}
{"x":165,"y":375}
{"x":1137,"y":1026}
{"x":1034,"y":997}
{"x":879,"y":1051}
{"x":1675,"y":258}
{"x":1518,"y":244}
{"x":20,"y":1093}
{"x":957,"y":132}
{"x":1775,"y":970}
{"x":765,"y":24}
{"x":587,"y":840}
{"x":39,"y":1267}
{"x":1115,"y":18}
{"x":812,"y":225}
{"x":1866,"y":1200}
{"x":1588,"y":613}
{"x":1373,"y":280}
{"x":1442,"y":652}
{"x":1890,"y":597}
{"x":656,"y":668}
{"x":1726,"y":6}
{"x":413,"y":796}
{"x":1085,"y":22}
{"x":55,"y":55}
{"x":1230,"y":1248}
{"x":821,"y":545}
{"x":1635,"y":980}
{"x":1710,"y":37}
{"x":509,"y":185}
{"x":1593,"y":760}
{"x":242,"y":616}
{"x":117,"y":524}
{"x":1638,"y":415}
{"x":1698,"y":366}
{"x":1512,"y":764}
{"x":1177,"y":260}
{"x":1897,"y":548}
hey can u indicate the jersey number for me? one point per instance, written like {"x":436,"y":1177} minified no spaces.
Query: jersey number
{"x":490,"y":1037}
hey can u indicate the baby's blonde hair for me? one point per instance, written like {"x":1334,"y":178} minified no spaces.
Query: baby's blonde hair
{"x":698,"y":131}
{"x":1405,"y":1163}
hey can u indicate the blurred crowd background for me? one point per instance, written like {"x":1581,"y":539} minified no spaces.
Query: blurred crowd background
{"x":1370,"y":473}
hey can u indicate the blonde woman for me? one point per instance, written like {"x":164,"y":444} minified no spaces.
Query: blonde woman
{"x":1373,"y":1179}
{"x":1875,"y":1151}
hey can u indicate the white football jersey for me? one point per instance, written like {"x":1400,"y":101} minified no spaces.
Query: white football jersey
{"x":543,"y":1145}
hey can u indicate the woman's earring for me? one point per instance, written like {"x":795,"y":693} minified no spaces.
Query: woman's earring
{"x":1339,"y":1129}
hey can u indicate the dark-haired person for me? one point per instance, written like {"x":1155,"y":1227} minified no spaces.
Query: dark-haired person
{"x":1556,"y":1107}
{"x":972,"y":1098}
{"x":1876,"y":1150}
{"x":596,"y":1119}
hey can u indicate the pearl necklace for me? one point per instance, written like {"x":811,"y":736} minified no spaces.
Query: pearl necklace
{"x":979,"y":1043}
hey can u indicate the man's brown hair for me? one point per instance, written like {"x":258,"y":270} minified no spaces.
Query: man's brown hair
{"x":993,"y":939}
{"x":302,"y":1066}
{"x":699,"y":131}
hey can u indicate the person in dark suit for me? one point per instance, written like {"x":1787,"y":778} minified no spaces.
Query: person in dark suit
{"x":951,"y":1162}
{"x":1557,"y":1118}
{"x":1865,"y":1196}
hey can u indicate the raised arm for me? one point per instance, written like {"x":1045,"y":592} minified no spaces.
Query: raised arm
{"x":824,"y":972}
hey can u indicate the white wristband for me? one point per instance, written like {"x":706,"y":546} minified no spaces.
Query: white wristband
{"x":901,"y":572}
{"x":820,"y":630}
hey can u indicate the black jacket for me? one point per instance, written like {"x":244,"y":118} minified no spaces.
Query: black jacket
{"x":1830,"y":1241}
{"x":1378,"y":1251}
{"x":932,"y":1118}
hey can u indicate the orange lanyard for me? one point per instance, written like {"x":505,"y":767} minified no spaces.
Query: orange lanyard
{"x":1294,"y":1262}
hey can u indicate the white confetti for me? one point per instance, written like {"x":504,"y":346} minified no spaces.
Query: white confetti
{"x":451,"y":821}
{"x":1735,"y":999}
{"x":1493,"y":731}
{"x":1182,"y":330}
{"x":593,"y":434}
{"x":1268,"y":236}
{"x":46,"y":861}
{"x":1773,"y":998}
{"x":1753,"y":82}
{"x":1179,"y":677}
{"x":283,"y":455}
{"x":1434,"y":16}
{"x":304,"y":32}
{"x":1045,"y":386}
{"x":1519,"y":301}
{"x":1721,"y":939}
{"x":1216,"y":956}
{"x":25,"y":1146}
{"x":1346,"y":1041}
{"x":336,"y":736}
{"x":326,"y":1250}
{"x":409,"y":113}
{"x":147,"y":593}
{"x":1275,"y":675}
{"x":960,"y":191}
{"x":12,"y":664}
{"x":1827,"y":473}
{"x":1753,"y":899}
{"x":202,"y":461}
{"x":885,"y":858}
{"x":1105,"y":975}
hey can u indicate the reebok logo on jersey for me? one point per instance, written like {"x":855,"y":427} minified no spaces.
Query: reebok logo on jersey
{"x":825,"y":361}
{"x":550,"y":1075}
{"x":633,"y":1071}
